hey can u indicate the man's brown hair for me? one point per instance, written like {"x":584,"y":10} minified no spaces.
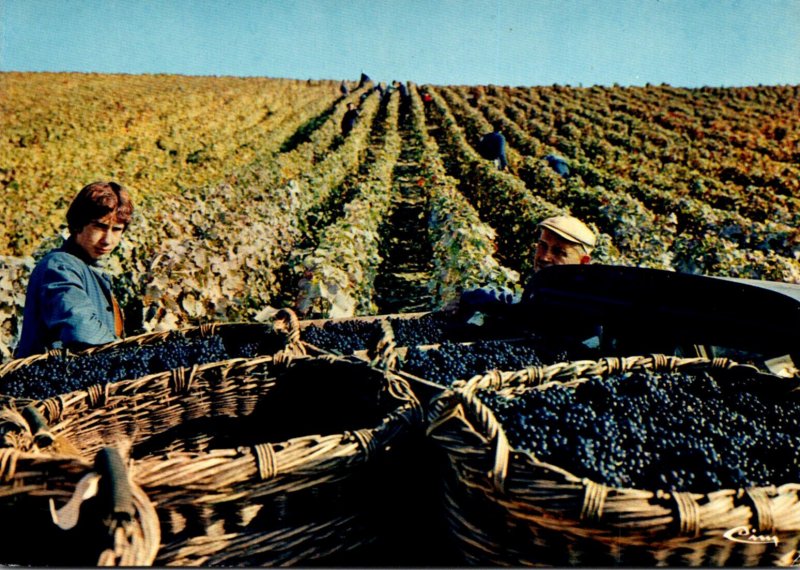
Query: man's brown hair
{"x":96,"y":201}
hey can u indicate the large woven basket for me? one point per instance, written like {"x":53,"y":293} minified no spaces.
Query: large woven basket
{"x":116,"y":527}
{"x":265,"y":461}
{"x":240,"y":340}
{"x":505,"y":507}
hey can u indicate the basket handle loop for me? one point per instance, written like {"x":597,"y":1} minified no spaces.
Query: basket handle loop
{"x":207,"y":329}
{"x":365,"y":440}
{"x":762,"y":506}
{"x":39,"y":428}
{"x":497,"y":438}
{"x":594,"y":500}
{"x":688,"y":513}
{"x":286,"y":321}
{"x":97,"y":395}
{"x":451,"y":406}
{"x":384,"y":353}
{"x":54,"y":407}
{"x":265,"y":461}
{"x":8,"y":463}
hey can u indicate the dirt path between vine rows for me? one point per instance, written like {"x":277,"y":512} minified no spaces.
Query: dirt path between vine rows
{"x":402,"y":280}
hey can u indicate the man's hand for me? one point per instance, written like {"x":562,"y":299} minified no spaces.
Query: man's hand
{"x":481,"y":299}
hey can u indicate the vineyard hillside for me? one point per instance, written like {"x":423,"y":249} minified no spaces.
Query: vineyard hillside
{"x":249,"y":198}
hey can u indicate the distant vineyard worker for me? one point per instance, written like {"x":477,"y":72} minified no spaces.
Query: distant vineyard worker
{"x":492,"y":146}
{"x":349,"y":119}
{"x":69,"y":302}
{"x":563,"y":240}
{"x":402,"y":87}
{"x":558,"y":163}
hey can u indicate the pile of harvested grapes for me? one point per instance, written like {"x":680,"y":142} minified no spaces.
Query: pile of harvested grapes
{"x":433,"y":350}
{"x":659,"y":430}
{"x":64,"y":373}
{"x":451,"y":361}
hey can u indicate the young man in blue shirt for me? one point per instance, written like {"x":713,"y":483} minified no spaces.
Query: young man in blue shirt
{"x":69,"y":302}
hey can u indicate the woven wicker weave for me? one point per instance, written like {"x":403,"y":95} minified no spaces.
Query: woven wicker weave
{"x":505,"y":507}
{"x":260,"y":339}
{"x":270,"y":460}
{"x":124,"y":532}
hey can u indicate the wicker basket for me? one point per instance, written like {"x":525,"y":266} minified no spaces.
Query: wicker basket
{"x":116,"y":527}
{"x":505,"y":507}
{"x":268,"y":461}
{"x":240,"y":340}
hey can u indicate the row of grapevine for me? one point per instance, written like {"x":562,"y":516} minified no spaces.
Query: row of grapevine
{"x":463,"y":246}
{"x":730,"y":244}
{"x":248,"y":197}
{"x":713,"y":161}
{"x":501,"y":198}
{"x":338,"y":275}
{"x":227,"y":264}
{"x":61,"y":131}
{"x":210,"y":251}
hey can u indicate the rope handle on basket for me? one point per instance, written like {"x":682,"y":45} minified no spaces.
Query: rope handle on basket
{"x":286,"y":321}
{"x":43,"y":437}
{"x":109,"y":482}
{"x":760,"y":498}
{"x":384,"y":353}
{"x":445,"y":409}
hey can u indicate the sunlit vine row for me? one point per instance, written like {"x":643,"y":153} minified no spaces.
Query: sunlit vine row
{"x":500,"y":197}
{"x":741,"y":159}
{"x":463,"y":246}
{"x":155,"y":134}
{"x":629,"y":223}
{"x":729,"y":244}
{"x":225,"y":269}
{"x":338,"y":275}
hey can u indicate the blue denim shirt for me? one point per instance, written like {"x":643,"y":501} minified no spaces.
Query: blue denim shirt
{"x":68,"y":303}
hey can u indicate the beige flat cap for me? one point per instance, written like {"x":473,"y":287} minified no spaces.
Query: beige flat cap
{"x":571,"y":229}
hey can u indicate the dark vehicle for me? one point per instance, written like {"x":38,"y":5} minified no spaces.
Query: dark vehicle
{"x":644,"y":311}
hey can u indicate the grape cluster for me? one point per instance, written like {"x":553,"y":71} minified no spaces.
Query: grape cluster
{"x":60,"y":374}
{"x":453,"y":361}
{"x":342,"y":337}
{"x":427,"y":329}
{"x":658,"y":430}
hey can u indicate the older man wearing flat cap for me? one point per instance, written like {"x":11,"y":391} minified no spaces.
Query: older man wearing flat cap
{"x":563,"y":240}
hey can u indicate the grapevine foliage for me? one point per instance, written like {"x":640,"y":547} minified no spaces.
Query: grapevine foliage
{"x":695,"y":180}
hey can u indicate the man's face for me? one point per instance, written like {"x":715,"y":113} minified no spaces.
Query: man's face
{"x":552,"y":249}
{"x":100,"y":237}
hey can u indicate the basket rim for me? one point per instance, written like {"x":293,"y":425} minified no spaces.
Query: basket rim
{"x":191,"y":331}
{"x":584,"y":369}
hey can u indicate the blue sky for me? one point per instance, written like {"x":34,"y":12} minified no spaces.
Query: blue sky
{"x":688,"y":43}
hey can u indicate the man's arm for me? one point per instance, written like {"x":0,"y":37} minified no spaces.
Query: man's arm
{"x":488,"y":300}
{"x":71,"y":310}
